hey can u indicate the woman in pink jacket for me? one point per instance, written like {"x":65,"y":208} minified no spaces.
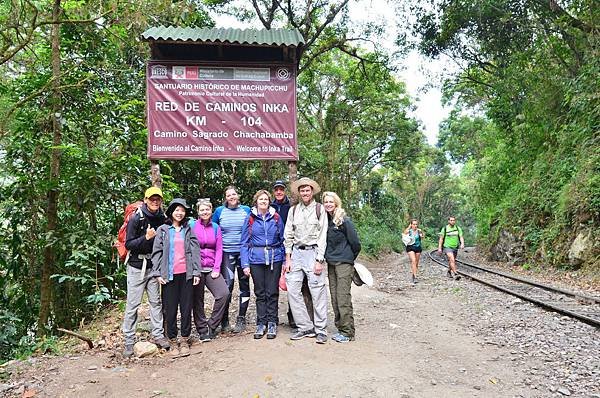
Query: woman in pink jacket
{"x":209,"y":235}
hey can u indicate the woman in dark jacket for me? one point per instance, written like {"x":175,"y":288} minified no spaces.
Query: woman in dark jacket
{"x":261,"y":255}
{"x":342,"y":249}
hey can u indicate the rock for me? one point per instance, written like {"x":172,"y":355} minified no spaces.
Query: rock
{"x":143,"y":349}
{"x":5,"y":387}
{"x":580,"y":248}
{"x":93,"y":367}
{"x":564,"y":391}
{"x":508,"y":248}
{"x":433,"y":382}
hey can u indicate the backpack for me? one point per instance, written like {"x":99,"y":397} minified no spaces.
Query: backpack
{"x":130,"y":210}
{"x":317,"y":210}
{"x":251,"y":221}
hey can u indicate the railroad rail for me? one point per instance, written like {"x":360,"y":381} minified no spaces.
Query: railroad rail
{"x":572,"y":304}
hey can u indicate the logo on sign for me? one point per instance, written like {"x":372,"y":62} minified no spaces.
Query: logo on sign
{"x":158,"y":72}
{"x":179,"y":72}
{"x":191,"y":72}
{"x":283,"y":74}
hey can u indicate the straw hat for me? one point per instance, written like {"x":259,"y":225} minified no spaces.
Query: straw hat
{"x":305,"y":181}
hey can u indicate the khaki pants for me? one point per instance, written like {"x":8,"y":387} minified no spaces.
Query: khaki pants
{"x":303,"y":262}
{"x":136,"y":285}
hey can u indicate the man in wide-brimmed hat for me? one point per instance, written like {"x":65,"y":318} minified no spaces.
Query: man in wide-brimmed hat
{"x":305,"y":241}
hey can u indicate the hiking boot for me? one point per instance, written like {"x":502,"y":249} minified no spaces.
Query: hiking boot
{"x":128,"y":351}
{"x":456,"y":276}
{"x":340,"y":338}
{"x":300,"y":334}
{"x":161,"y":342}
{"x":321,"y":338}
{"x":449,"y":274}
{"x":271,"y":330}
{"x":240,"y":325}
{"x":260,"y":331}
{"x":184,"y":347}
{"x":225,"y":327}
{"x":414,"y":280}
{"x":174,"y":351}
{"x":205,"y":336}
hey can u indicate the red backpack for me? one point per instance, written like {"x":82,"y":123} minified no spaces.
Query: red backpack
{"x":130,"y":209}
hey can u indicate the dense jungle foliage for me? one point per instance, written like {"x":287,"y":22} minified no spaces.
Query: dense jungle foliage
{"x":527,"y":119}
{"x":73,"y":136}
{"x":73,"y":147}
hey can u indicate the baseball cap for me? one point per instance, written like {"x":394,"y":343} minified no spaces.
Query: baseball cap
{"x":279,"y":183}
{"x":153,"y":191}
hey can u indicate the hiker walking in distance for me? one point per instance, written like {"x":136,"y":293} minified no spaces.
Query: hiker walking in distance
{"x":451,"y":239}
{"x":414,"y":250}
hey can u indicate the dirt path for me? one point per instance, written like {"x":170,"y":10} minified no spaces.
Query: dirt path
{"x":408,"y":344}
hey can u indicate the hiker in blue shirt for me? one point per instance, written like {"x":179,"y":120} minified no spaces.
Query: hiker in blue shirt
{"x":230,"y":217}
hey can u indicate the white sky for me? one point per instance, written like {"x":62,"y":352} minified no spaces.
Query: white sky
{"x":421,"y":75}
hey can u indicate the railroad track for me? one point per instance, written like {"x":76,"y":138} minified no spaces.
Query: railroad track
{"x":575,"y":305}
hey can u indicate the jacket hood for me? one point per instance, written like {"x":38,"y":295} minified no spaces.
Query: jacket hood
{"x":271,"y":212}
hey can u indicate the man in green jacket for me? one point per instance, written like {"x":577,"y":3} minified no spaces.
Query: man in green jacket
{"x":451,"y":238}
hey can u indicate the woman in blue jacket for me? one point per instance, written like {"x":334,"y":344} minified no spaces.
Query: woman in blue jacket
{"x":262,"y":254}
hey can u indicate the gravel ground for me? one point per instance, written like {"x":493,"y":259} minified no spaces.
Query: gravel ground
{"x":438,"y":338}
{"x":560,"y":356}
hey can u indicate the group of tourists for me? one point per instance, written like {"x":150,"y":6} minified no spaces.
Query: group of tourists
{"x":173,"y":257}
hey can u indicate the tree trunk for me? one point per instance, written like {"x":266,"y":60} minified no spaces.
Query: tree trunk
{"x":155,"y":174}
{"x":52,"y":207}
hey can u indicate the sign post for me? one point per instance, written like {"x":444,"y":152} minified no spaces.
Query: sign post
{"x":214,"y":112}
{"x":223,"y":94}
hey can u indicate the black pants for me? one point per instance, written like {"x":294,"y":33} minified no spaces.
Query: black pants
{"x":178,"y":294}
{"x":266,"y":290}
{"x":231,"y":263}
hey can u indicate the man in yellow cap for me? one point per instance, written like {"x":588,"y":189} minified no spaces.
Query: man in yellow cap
{"x":141,"y":230}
